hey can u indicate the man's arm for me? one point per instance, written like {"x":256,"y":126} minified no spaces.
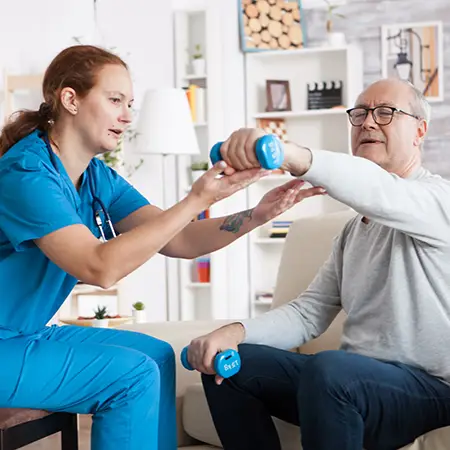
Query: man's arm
{"x":417,"y":207}
{"x":306,"y":317}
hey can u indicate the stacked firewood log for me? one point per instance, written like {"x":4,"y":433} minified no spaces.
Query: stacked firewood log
{"x":272,"y":24}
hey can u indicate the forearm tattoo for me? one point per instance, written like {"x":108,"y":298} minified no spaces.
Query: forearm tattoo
{"x":234,"y":222}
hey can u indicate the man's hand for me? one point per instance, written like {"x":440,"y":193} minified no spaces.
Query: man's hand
{"x":282,"y":198}
{"x":238,"y":151}
{"x":203,"y":350}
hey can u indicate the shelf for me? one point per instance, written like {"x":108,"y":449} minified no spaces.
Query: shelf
{"x":300,"y":52}
{"x":262,"y":302}
{"x":18,"y":82}
{"x":195,"y":77}
{"x":269,"y":241}
{"x":200,"y":124}
{"x":84,"y":289}
{"x":304,"y":113}
{"x":199,"y":285}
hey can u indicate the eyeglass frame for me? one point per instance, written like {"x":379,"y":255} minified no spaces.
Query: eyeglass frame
{"x":392,"y":108}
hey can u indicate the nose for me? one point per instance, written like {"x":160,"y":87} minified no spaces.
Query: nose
{"x":369,"y":123}
{"x":126,"y":116}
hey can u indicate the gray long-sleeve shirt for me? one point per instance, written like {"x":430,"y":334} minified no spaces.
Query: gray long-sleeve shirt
{"x":391,"y":276}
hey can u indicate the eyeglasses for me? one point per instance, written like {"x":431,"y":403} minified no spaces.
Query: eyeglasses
{"x":382,"y":115}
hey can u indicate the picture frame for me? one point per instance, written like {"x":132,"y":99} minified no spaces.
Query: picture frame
{"x":266,"y":25}
{"x":278,"y":96}
{"x":414,"y":52}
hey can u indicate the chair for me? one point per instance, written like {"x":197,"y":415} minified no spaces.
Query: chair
{"x":20,"y":427}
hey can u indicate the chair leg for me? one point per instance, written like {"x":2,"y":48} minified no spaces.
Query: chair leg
{"x":69,"y":434}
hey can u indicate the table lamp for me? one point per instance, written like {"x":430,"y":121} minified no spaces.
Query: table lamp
{"x":165,"y":127}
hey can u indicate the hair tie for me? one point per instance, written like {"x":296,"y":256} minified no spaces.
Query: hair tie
{"x":45,"y":110}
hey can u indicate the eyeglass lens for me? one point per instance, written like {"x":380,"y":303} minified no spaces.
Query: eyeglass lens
{"x":381,"y":115}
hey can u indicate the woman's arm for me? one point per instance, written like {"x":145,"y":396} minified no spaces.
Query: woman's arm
{"x":78,"y":252}
{"x":201,"y":237}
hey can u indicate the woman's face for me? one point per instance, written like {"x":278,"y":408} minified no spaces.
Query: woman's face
{"x":105,"y":113}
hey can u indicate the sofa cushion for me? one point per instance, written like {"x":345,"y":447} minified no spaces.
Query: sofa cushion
{"x":198,"y":423}
{"x":434,"y":440}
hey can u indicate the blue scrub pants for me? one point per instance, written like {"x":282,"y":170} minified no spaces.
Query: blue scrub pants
{"x":125,"y":379}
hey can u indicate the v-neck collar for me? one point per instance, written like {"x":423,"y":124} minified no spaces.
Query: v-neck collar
{"x":63,"y":173}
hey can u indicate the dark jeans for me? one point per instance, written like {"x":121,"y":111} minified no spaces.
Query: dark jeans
{"x":340,"y":400}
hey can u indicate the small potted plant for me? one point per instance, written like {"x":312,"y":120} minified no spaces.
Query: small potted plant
{"x":139,"y":313}
{"x":198,"y":169}
{"x":198,"y":62}
{"x":100,"y":317}
{"x":334,"y":39}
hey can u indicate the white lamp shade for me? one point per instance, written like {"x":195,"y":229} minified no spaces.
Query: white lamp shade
{"x":165,"y":125}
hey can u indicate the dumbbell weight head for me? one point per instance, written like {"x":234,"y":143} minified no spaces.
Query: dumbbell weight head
{"x":184,"y":359}
{"x":226,"y":363}
{"x":268,"y":150}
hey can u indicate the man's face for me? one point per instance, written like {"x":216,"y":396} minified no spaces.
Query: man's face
{"x":396,"y":145}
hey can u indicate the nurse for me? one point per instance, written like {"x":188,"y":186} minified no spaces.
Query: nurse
{"x":66,"y":216}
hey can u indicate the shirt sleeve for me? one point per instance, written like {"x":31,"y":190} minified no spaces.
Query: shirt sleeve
{"x":125,"y":200}
{"x":306,"y":317}
{"x":32,"y":204}
{"x":418,"y":207}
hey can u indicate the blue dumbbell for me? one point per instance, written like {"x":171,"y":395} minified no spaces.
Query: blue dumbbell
{"x":268,"y":149}
{"x":226,"y":363}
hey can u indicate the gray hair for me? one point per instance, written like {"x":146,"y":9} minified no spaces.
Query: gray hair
{"x":419,"y":103}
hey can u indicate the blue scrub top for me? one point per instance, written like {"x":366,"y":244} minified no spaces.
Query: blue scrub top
{"x":36,"y":199}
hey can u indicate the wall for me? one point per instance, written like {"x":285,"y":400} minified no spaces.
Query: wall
{"x":363,"y":22}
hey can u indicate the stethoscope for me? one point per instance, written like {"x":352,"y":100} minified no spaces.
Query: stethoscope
{"x":97,"y":218}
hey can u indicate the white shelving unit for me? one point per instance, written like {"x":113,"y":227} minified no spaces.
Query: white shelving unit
{"x":327,"y":129}
{"x":201,"y":300}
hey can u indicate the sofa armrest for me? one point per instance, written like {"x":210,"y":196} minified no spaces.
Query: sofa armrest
{"x":178,"y":335}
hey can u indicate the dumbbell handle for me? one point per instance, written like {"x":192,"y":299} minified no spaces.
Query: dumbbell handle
{"x":226,"y":363}
{"x":268,"y":150}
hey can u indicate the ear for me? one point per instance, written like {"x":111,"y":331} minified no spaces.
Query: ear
{"x":69,"y":100}
{"x":421,"y":132}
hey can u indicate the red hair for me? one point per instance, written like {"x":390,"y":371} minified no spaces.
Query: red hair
{"x":76,"y":67}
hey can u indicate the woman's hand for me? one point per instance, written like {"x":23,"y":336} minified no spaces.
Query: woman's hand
{"x":282,"y":198}
{"x":213,"y":186}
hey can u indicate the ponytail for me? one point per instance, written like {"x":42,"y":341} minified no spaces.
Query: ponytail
{"x":21,"y":124}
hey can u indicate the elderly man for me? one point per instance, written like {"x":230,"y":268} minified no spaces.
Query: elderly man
{"x":389,"y":270}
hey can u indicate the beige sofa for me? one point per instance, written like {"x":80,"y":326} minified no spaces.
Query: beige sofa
{"x":307,"y":246}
